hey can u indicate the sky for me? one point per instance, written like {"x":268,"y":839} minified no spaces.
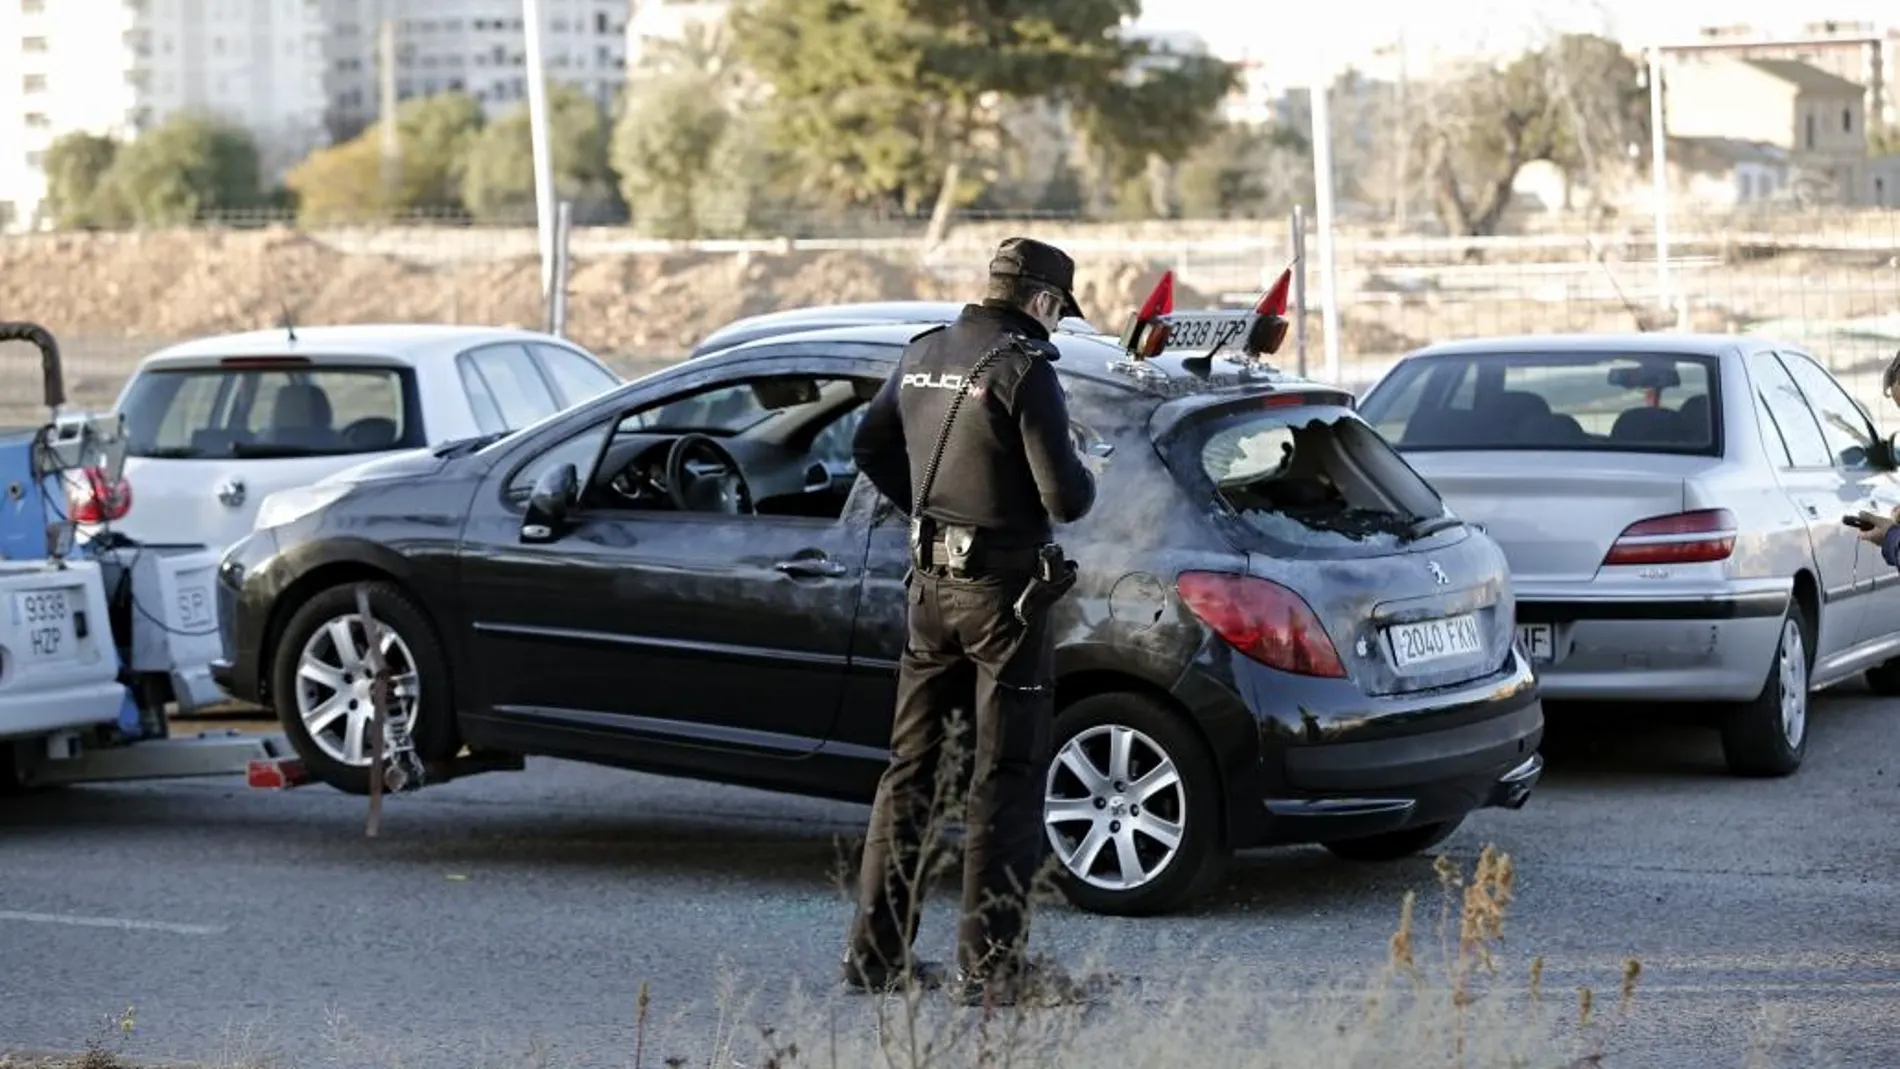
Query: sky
{"x":1295,"y":48}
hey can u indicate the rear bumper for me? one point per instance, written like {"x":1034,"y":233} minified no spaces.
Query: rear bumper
{"x":1712,"y":648}
{"x":32,"y":713}
{"x":1334,"y":763}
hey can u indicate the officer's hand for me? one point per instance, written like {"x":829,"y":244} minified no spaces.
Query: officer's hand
{"x":1878,"y":532}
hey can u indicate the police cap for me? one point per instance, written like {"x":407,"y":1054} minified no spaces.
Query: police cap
{"x":1031,"y":259}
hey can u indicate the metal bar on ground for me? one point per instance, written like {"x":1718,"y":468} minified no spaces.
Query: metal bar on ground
{"x":208,"y":753}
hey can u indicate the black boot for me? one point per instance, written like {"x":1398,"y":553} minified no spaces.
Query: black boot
{"x":883,"y":979}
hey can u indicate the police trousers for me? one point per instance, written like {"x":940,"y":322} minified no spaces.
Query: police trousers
{"x":962,"y":628}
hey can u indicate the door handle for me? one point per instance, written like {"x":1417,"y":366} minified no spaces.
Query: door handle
{"x":810,"y":566}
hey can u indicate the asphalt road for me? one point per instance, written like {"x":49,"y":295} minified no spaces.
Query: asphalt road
{"x":517,"y":911}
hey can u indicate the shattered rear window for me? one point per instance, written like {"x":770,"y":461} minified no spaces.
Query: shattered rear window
{"x":1313,"y":475}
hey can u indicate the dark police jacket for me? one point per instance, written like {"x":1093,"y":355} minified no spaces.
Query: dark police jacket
{"x":1009,"y":466}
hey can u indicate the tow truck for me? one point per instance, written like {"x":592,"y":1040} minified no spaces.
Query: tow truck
{"x":97,"y":636}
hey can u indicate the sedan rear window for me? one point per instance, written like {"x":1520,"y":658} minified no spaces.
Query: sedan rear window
{"x":1307,"y":476}
{"x":262,"y":408}
{"x":1638,"y":402}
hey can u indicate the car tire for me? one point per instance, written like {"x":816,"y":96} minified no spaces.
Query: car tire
{"x":1394,"y":845}
{"x":1884,"y":678}
{"x":309,"y":631}
{"x":1168,"y":877}
{"x":1769,"y":735}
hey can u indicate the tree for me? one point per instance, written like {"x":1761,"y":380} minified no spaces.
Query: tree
{"x":689,"y":156}
{"x":498,"y":183}
{"x":433,"y":136}
{"x":895,"y":102}
{"x":1246,"y":171}
{"x":1139,"y":127}
{"x":1600,"y":110}
{"x":75,"y":165}
{"x":1573,"y":102}
{"x":186,"y":166}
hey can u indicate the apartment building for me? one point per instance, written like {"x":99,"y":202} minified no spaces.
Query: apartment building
{"x":1859,"y":52}
{"x":116,"y":67}
{"x":1781,"y":123}
{"x":475,"y":46}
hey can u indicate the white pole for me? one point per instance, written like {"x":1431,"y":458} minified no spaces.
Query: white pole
{"x":1323,"y":194}
{"x":538,"y":134}
{"x":1299,"y":285}
{"x":1659,"y":175}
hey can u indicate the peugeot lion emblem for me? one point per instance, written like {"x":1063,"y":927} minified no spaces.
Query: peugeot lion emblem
{"x":1438,"y":574}
{"x":231,"y":493}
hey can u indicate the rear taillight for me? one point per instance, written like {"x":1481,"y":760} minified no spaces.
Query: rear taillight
{"x":1263,"y":620}
{"x":94,"y":500}
{"x":1681,"y":538}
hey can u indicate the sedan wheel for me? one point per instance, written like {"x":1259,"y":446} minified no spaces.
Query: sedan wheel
{"x":1769,"y":735}
{"x":320,"y":683}
{"x":1131,"y":807}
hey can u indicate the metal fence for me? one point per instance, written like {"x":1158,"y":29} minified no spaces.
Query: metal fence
{"x":1826,"y":280}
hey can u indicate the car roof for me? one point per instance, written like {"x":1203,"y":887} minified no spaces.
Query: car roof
{"x":787,"y":320}
{"x":1090,"y":355}
{"x":1658,"y":342}
{"x":405,"y":343}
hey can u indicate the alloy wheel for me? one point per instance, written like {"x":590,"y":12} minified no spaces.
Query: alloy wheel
{"x":333,"y":688}
{"x":1793,"y":667}
{"x":1114,"y":807}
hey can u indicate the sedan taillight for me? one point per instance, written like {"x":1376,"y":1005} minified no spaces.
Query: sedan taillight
{"x":1681,"y":538}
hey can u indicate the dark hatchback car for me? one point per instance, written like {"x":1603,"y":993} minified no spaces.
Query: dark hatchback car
{"x":1280,"y":635}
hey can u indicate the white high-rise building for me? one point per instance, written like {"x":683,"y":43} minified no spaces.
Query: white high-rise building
{"x":476,"y":46}
{"x":116,"y":67}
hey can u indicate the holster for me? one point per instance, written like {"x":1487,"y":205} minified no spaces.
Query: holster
{"x":1054,"y":576}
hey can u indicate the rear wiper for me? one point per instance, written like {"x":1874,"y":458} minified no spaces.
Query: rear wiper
{"x":1429,"y":525}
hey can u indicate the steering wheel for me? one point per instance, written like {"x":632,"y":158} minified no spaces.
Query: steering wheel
{"x":731,"y":495}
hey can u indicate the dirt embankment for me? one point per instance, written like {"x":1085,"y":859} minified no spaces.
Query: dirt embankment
{"x":178,"y":284}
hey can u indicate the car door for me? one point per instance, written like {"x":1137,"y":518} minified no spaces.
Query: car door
{"x":1851,"y":438}
{"x":1822,"y":491}
{"x":693,"y":628}
{"x":506,"y":389}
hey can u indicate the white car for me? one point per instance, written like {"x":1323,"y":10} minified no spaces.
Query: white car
{"x":216,"y":425}
{"x":1672,"y":509}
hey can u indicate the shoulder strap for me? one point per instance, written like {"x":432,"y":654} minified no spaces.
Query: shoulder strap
{"x":950,"y":416}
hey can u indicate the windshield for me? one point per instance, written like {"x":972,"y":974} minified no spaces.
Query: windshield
{"x":1637,"y":402}
{"x":292,"y":410}
{"x":1309,"y":477}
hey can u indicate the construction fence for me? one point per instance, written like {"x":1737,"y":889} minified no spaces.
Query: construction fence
{"x":1826,"y":280}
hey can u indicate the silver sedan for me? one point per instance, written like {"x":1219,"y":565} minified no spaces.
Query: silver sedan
{"x":1672,"y":509}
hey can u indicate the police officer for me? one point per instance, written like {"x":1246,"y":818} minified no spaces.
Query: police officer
{"x":988,"y":478}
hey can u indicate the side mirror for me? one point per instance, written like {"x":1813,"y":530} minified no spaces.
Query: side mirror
{"x":554,"y":495}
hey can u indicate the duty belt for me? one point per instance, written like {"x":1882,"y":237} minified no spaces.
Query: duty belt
{"x":985,"y":560}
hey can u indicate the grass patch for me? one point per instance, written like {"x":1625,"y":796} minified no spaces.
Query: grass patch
{"x":1446,"y":995}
